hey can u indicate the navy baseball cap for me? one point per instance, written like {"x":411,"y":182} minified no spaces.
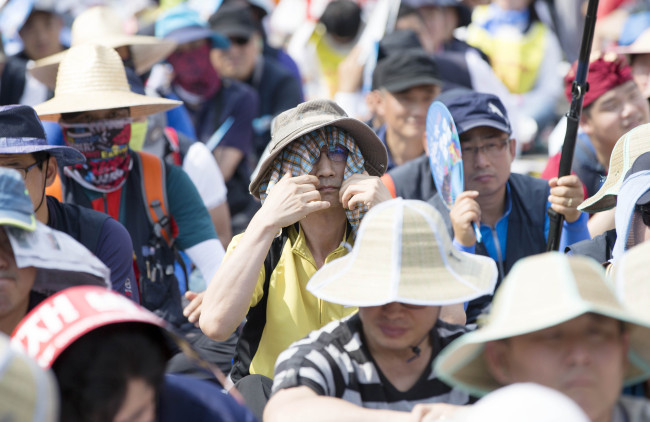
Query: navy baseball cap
{"x":475,"y":109}
{"x":406,"y":69}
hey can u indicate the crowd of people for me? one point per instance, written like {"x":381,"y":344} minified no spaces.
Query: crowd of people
{"x":227,"y":211}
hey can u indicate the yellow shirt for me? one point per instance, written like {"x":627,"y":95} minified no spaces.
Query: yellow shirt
{"x":292,"y":312}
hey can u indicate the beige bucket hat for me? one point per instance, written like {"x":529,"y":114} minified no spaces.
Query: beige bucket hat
{"x":101,"y":25}
{"x":311,"y":115}
{"x":92,"y":77}
{"x":627,"y":149}
{"x":542,"y":291}
{"x":403,"y":253}
{"x":630,"y":276}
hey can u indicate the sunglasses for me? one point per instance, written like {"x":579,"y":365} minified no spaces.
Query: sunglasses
{"x":644,"y":210}
{"x":239,"y":40}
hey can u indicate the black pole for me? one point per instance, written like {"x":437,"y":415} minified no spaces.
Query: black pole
{"x":578,"y":90}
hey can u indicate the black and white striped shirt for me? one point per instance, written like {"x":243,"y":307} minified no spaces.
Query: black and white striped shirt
{"x":333,"y":361}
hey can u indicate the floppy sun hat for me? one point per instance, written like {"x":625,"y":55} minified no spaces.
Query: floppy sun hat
{"x":311,"y":115}
{"x":630,"y":276}
{"x":22,"y":133}
{"x":542,"y":291}
{"x":627,"y":149}
{"x":101,"y":25}
{"x":92,"y":77}
{"x":403,"y":253}
{"x":16,"y":208}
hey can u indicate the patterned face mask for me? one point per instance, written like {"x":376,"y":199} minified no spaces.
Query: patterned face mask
{"x":299,"y":158}
{"x":105,"y":144}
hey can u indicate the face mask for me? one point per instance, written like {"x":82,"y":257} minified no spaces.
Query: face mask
{"x":138,"y":135}
{"x":105,"y":144}
{"x":194,"y":72}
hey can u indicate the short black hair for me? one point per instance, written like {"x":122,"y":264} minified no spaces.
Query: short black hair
{"x":342,"y":18}
{"x":93,"y":372}
{"x":41,"y":157}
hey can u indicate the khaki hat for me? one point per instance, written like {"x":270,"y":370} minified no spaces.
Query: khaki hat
{"x":27,"y":392}
{"x":542,"y":291}
{"x":101,"y":25}
{"x":627,"y":149}
{"x":92,"y":77}
{"x":311,"y":115}
{"x":640,"y":46}
{"x":403,"y":253}
{"x":630,"y":276}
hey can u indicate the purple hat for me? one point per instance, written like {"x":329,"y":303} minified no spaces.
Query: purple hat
{"x":21,"y":132}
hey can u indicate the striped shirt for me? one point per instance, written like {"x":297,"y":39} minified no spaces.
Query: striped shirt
{"x":334,"y":361}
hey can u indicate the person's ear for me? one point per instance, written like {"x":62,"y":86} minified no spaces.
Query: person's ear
{"x":52,"y":169}
{"x":512,"y":145}
{"x":495,"y":355}
{"x":381,"y":103}
{"x":586,"y":124}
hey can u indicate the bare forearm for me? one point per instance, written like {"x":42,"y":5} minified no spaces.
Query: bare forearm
{"x":228,"y":296}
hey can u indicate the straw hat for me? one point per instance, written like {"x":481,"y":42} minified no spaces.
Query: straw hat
{"x":630,"y":276}
{"x":627,"y":149}
{"x":27,"y":393}
{"x":101,"y":25}
{"x":542,"y":291}
{"x":92,"y":77}
{"x":403,"y":253}
{"x":311,"y":115}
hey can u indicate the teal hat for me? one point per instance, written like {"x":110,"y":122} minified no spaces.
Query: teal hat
{"x":16,"y":207}
{"x":183,"y":24}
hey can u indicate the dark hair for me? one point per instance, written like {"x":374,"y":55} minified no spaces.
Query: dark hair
{"x":342,"y":18}
{"x":41,"y":156}
{"x":94,"y":371}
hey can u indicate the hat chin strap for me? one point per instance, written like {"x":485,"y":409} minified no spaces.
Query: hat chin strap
{"x":416,"y":349}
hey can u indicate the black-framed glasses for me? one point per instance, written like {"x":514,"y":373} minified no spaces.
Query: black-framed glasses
{"x":644,"y":210}
{"x":491,"y":148}
{"x":24,"y":170}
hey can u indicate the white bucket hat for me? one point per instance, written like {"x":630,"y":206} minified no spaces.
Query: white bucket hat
{"x":403,"y":253}
{"x":630,"y":276}
{"x":92,"y":77}
{"x":542,"y":291}
{"x":627,"y":149}
{"x":101,"y":25}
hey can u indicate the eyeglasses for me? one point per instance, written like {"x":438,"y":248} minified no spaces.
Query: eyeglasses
{"x":492,"y":149}
{"x":338,"y":154}
{"x":239,"y":40}
{"x":644,"y":210}
{"x":24,"y":170}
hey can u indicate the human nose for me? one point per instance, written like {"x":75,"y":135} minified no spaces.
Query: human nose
{"x":577,"y":351}
{"x":324,"y":167}
{"x":479,"y":156}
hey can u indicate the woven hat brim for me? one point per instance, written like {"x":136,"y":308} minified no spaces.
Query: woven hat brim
{"x":372,"y":149}
{"x":146,"y":51}
{"x":462,"y":362}
{"x":351,"y":282}
{"x":139,"y":105}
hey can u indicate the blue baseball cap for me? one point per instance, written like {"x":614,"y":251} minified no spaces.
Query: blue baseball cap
{"x":21,"y":132}
{"x":475,"y":109}
{"x":183,"y":24}
{"x":16,"y":208}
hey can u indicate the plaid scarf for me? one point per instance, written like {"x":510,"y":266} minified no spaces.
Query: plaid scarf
{"x":299,"y":158}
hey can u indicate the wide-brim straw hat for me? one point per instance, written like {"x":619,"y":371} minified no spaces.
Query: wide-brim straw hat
{"x":92,"y":77}
{"x":311,"y":115}
{"x":630,"y":276}
{"x":403,"y":253}
{"x":101,"y":25}
{"x":542,"y":291}
{"x":627,"y":149}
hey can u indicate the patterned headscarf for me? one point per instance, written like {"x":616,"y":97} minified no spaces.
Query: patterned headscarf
{"x":299,"y":158}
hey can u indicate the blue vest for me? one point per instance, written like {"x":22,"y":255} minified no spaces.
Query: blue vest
{"x":525,"y":236}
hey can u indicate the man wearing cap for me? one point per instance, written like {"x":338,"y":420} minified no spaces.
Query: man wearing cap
{"x":408,"y":82}
{"x":24,"y":148}
{"x":35,"y":260}
{"x":221,"y":109}
{"x":39,"y":26}
{"x":277,"y":88}
{"x":612,"y":106}
{"x":320,"y":177}
{"x":510,"y":208}
{"x":376,"y":365}
{"x":557,"y":322}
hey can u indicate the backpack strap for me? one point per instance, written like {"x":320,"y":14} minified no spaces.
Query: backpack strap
{"x":153,"y":176}
{"x":174,"y":145}
{"x":389,"y":183}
